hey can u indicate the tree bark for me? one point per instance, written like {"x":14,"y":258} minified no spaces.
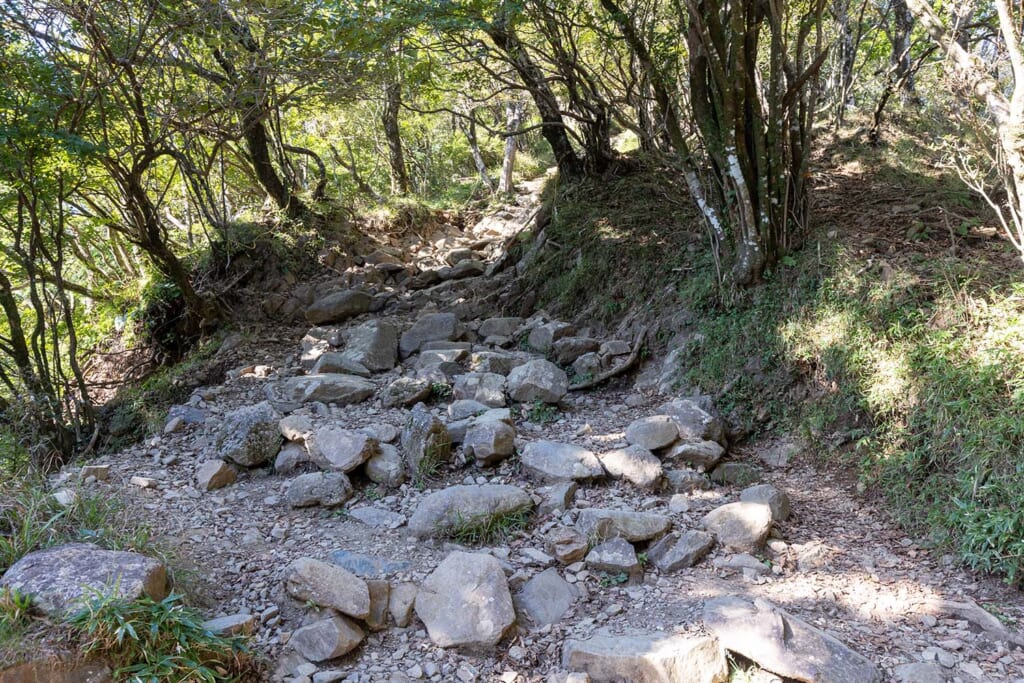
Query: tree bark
{"x":393,"y":135}
{"x":570,"y":166}
{"x":513,"y":119}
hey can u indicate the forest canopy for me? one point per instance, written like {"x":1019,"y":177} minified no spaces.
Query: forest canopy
{"x":135,"y":136}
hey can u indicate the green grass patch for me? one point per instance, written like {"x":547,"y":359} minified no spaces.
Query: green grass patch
{"x":488,"y":529}
{"x":31,"y":519}
{"x":147,"y":641}
{"x":614,"y":244}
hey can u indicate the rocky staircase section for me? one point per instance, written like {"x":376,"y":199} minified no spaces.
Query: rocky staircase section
{"x":428,"y":497}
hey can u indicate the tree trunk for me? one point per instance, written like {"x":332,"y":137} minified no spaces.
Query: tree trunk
{"x":468,"y":126}
{"x":570,"y":167}
{"x":513,"y":119}
{"x":902,"y":26}
{"x":396,"y":157}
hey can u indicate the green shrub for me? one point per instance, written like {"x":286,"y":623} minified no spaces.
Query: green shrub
{"x":157,"y":642}
{"x":31,"y":519}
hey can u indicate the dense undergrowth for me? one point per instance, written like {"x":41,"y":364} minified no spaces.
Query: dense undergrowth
{"x":892,"y":342}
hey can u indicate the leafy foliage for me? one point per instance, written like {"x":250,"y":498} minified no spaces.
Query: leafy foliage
{"x":151,"y":642}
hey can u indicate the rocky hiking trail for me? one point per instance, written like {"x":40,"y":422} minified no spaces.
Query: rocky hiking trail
{"x":413,"y":489}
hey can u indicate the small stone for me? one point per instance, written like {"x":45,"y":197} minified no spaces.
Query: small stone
{"x":215,"y":474}
{"x":679,"y":551}
{"x":101,"y":472}
{"x":546,"y":598}
{"x":567,"y":544}
{"x":404,"y":392}
{"x":616,"y":557}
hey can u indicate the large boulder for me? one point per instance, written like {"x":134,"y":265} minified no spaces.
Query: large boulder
{"x":373,"y":344}
{"x":404,"y":392}
{"x":489,"y":441}
{"x":537,"y":380}
{"x":340,"y":450}
{"x":635,"y":464}
{"x":58,"y":578}
{"x":430,"y":327}
{"x":465,"y":602}
{"x":695,"y":423}
{"x":550,"y":461}
{"x":543,"y":337}
{"x":641,"y":658}
{"x":327,"y":639}
{"x":652,"y":432}
{"x":327,"y":388}
{"x":338,"y":306}
{"x":249,"y":436}
{"x":487,"y":388}
{"x":566,"y":350}
{"x":328,"y":585}
{"x":329,"y":489}
{"x":783,"y":644}
{"x":425,"y":443}
{"x":766,"y":494}
{"x":633,"y":526}
{"x":742,"y":527}
{"x":457,"y":508}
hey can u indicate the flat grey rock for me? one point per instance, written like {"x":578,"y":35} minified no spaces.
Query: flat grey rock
{"x":633,"y":526}
{"x":680,"y":551}
{"x":546,"y":598}
{"x":652,"y":433}
{"x":340,"y":450}
{"x":327,"y":388}
{"x":783,"y":644}
{"x":742,"y":527}
{"x":367,"y":566}
{"x":550,"y":461}
{"x":635,"y":464}
{"x":454,"y":507}
{"x":642,"y":658}
{"x":58,"y":578}
{"x":328,"y":585}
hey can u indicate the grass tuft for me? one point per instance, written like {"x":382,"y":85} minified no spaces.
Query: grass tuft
{"x":488,"y":529}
